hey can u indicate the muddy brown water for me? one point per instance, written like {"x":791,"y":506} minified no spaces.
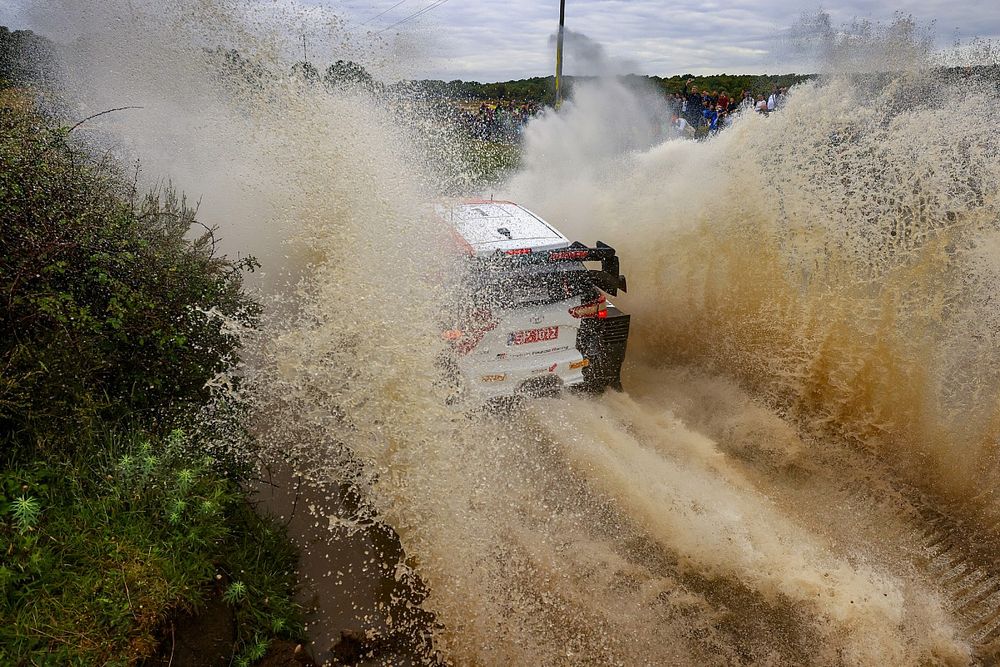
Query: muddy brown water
{"x":348,"y":583}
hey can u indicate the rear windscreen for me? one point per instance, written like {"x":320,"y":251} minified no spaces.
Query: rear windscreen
{"x":529,"y":286}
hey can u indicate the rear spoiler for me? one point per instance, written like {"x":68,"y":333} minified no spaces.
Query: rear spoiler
{"x":607,"y":278}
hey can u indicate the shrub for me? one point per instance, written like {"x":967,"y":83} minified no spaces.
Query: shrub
{"x":114,"y":319}
{"x":105,"y":296}
{"x":123,"y":534}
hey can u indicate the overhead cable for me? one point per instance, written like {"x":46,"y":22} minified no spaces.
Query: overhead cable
{"x":415,"y":14}
{"x":384,"y":13}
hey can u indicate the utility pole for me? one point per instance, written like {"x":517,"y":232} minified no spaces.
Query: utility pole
{"x":559,"y":49}
{"x":305,"y":57}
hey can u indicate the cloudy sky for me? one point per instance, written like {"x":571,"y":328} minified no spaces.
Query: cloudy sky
{"x":491,"y":40}
{"x":504,"y":39}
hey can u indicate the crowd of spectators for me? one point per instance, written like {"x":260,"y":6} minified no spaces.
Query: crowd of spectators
{"x":694,"y":113}
{"x":697,"y":113}
{"x":503,"y":122}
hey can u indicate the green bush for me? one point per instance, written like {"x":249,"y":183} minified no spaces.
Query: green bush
{"x":106,"y":299}
{"x":129,"y":531}
{"x":114,"y":318}
{"x":24,"y":57}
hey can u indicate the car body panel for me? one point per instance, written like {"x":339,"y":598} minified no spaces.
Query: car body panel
{"x":489,"y":226}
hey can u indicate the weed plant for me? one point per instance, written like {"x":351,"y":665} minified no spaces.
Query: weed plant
{"x":101,"y":548}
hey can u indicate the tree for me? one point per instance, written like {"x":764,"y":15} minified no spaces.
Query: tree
{"x":346,"y":73}
{"x":306,"y":71}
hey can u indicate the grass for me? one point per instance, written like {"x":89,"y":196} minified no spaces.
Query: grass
{"x":99,"y":551}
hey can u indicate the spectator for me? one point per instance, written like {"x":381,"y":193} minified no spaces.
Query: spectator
{"x":780,"y":99}
{"x":681,"y":127}
{"x":711,"y":116}
{"x":694,"y":103}
{"x":719,"y":120}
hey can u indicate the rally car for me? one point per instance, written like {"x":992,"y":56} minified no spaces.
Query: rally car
{"x":533,"y":314}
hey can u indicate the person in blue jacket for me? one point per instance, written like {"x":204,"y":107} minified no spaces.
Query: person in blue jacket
{"x":711,"y":116}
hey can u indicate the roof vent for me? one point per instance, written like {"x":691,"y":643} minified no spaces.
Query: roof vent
{"x":504,"y":232}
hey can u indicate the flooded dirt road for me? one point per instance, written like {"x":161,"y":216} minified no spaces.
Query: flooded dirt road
{"x":801,"y":468}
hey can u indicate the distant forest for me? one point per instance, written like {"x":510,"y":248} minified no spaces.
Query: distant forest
{"x":541,"y":89}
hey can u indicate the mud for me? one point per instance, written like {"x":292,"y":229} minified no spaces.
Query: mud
{"x":348,"y":577}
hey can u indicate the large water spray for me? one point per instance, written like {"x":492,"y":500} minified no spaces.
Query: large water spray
{"x":838,"y":257}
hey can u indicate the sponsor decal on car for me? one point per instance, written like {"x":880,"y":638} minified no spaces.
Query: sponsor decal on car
{"x":533,"y":336}
{"x":583,"y":363}
{"x":498,"y":377}
{"x":550,"y":350}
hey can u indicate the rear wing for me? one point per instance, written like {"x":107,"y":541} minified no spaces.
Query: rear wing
{"x":607,"y":278}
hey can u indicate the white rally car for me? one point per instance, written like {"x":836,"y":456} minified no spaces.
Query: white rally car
{"x":532,"y":315}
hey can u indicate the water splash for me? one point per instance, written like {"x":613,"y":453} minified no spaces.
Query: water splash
{"x":837,"y":259}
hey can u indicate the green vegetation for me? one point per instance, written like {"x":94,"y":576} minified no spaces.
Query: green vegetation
{"x":538,"y":89}
{"x":103,"y":546}
{"x":106,"y":301}
{"x":486,"y":162}
{"x":731,"y":84}
{"x":112,"y":519}
{"x":542,"y":89}
{"x":23,"y":57}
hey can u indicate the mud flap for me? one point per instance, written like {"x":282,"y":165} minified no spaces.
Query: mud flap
{"x":604,"y":342}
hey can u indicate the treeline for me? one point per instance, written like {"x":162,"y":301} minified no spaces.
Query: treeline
{"x":732,"y":84}
{"x":541,"y":89}
{"x":23,"y":58}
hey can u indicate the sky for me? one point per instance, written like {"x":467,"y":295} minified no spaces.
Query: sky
{"x":496,"y":40}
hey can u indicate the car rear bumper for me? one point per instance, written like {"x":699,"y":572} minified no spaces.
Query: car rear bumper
{"x":527,"y":375}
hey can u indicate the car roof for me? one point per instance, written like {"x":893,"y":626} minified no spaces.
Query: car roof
{"x":488,"y":226}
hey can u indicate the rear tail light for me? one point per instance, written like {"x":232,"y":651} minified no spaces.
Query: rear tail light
{"x":480,"y":322}
{"x":596,"y":308}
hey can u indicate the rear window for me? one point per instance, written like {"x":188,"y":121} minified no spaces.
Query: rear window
{"x":530,"y":286}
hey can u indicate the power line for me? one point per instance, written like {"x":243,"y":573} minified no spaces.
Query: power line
{"x":415,"y":14}
{"x":383,"y":13}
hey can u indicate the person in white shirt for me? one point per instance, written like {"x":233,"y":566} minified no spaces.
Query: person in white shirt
{"x":682,"y":128}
